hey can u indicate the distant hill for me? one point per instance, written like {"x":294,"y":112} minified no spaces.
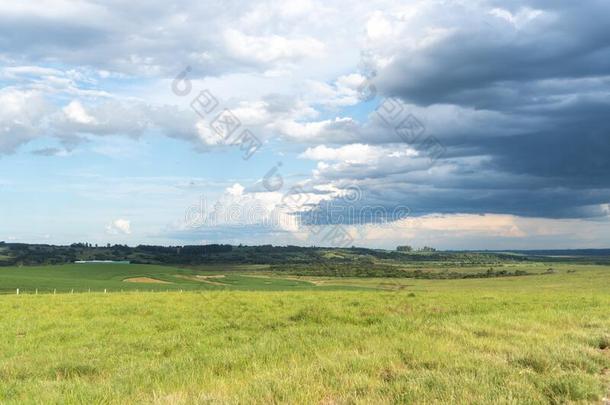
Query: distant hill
{"x":561,"y":252}
{"x":38,"y":254}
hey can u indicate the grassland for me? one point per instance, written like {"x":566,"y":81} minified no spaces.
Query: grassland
{"x":117,"y":277}
{"x":531,"y":339}
{"x":120,"y":277}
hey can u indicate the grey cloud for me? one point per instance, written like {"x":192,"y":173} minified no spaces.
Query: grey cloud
{"x":530,"y":134}
{"x":566,"y":41}
{"x":521,"y":107}
{"x":47,"y":152}
{"x":154,"y":38}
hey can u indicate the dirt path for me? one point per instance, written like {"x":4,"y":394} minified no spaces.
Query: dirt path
{"x":146,"y":280}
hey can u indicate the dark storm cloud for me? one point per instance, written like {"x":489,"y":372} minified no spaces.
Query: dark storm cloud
{"x":567,"y":40}
{"x":544,"y":81}
{"x":462,"y":193}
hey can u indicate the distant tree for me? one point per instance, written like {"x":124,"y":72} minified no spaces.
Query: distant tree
{"x":404,"y":248}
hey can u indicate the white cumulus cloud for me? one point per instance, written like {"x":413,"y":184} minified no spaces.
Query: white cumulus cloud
{"x":119,"y":227}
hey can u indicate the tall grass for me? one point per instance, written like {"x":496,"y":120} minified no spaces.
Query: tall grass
{"x":525,"y":340}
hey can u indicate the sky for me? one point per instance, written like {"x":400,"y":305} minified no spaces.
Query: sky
{"x":474,"y":124}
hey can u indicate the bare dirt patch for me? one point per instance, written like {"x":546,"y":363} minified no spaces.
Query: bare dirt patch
{"x":146,"y":280}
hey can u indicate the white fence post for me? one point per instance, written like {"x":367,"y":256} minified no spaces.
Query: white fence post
{"x":104,"y":291}
{"x":18,"y":291}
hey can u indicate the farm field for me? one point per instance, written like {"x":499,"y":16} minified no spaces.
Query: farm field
{"x":134,"y":277}
{"x":80,"y":278}
{"x":531,"y":339}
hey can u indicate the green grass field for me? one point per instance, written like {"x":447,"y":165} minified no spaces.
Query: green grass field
{"x":119,"y":277}
{"x":532,"y":339}
{"x":112,"y":278}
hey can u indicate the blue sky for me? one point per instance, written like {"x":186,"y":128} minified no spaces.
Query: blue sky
{"x":487,"y":121}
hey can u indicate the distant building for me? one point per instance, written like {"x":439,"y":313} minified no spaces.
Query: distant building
{"x":102,"y":262}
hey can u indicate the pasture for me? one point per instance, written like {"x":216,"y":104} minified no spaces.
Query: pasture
{"x":80,"y":278}
{"x":531,"y":339}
